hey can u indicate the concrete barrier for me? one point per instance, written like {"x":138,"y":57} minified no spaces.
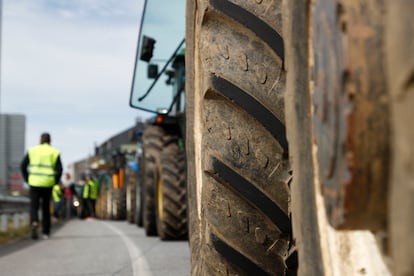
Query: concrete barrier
{"x":14,"y":212}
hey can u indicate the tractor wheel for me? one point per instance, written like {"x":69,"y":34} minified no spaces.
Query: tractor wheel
{"x":130,"y":195}
{"x":152,"y":146}
{"x":237,"y":152}
{"x":109,"y":201}
{"x":337,"y":127}
{"x":172,"y":192}
{"x":400,"y":47}
{"x":119,"y":204}
{"x":138,"y":198}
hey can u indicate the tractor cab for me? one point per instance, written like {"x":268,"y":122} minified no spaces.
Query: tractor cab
{"x":158,"y":82}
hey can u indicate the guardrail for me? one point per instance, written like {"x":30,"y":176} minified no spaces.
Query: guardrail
{"x":14,"y":212}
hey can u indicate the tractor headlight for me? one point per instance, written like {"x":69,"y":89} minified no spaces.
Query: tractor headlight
{"x":76,"y":203}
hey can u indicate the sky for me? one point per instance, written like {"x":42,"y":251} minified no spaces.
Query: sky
{"x":67,"y":65}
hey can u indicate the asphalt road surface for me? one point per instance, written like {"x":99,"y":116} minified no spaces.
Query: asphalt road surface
{"x":96,"y":247}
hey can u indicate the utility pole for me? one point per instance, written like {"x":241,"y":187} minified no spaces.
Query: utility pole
{"x":2,"y":173}
{"x":1,"y":50}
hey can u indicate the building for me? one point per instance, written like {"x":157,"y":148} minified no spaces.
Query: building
{"x":12,"y":146}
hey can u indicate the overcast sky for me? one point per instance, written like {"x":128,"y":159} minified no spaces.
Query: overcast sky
{"x":67,"y":65}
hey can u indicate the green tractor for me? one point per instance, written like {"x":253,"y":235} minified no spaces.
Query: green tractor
{"x":161,"y":192}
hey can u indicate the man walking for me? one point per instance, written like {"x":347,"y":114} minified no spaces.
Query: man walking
{"x":41,"y":169}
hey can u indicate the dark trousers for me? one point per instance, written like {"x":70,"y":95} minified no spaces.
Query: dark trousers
{"x":38,"y":194}
{"x":57,"y":209}
{"x":88,"y":208}
{"x":93,"y":203}
{"x":68,"y":207}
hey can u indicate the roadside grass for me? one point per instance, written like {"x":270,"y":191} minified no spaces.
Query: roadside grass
{"x":14,"y":234}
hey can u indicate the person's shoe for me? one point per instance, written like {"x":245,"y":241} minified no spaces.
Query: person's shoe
{"x":45,"y":236}
{"x":34,"y":230}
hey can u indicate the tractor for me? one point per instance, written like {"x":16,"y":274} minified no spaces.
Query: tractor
{"x":161,"y":199}
{"x":297,"y":142}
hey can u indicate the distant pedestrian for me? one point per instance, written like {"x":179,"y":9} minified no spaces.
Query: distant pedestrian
{"x":93,"y":194}
{"x":41,"y":169}
{"x":87,"y":209}
{"x":69,"y":194}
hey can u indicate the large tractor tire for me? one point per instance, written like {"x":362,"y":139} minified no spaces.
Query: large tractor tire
{"x":109,"y":201}
{"x":337,"y":116}
{"x":138,"y":196}
{"x":171,"y":191}
{"x":400,"y":65}
{"x":238,"y":169}
{"x":131,"y":195}
{"x":119,"y":204}
{"x":152,"y":147}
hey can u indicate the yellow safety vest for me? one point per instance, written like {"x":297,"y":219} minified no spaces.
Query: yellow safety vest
{"x":86,"y":190}
{"x":56,"y":193}
{"x":42,"y":162}
{"x":93,"y":189}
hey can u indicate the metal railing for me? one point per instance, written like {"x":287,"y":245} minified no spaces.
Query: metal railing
{"x":15,"y":210}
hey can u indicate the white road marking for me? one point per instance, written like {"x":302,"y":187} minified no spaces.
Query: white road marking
{"x":140,"y":266}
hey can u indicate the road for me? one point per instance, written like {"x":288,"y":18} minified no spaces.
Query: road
{"x":96,"y":247}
